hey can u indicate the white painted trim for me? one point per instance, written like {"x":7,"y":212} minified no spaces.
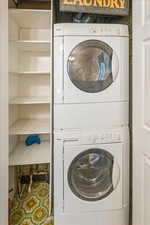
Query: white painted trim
{"x":4,"y":112}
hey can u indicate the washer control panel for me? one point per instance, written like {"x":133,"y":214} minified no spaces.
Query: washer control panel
{"x":108,"y":137}
{"x":101,"y":137}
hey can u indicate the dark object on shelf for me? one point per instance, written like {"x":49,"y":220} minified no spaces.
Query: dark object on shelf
{"x":27,"y":175}
{"x":25,"y":179}
{"x":41,"y":178}
{"x":84,"y":18}
{"x":11,"y":190}
{"x":33,"y":139}
{"x":36,"y":178}
{"x":17,"y":2}
{"x":110,"y":19}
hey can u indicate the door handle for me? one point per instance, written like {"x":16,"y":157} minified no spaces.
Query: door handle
{"x":71,"y":140}
{"x":115,"y":66}
{"x":116,"y":174}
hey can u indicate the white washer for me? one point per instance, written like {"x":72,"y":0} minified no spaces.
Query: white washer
{"x":91,"y":63}
{"x":91,"y":177}
{"x":91,"y":73}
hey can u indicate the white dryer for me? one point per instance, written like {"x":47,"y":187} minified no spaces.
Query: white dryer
{"x":91,"y":177}
{"x":91,"y":63}
{"x":91,"y":73}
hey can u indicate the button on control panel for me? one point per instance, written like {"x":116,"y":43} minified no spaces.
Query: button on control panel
{"x":93,"y":30}
{"x":102,"y":137}
{"x":109,"y":137}
{"x":105,"y":30}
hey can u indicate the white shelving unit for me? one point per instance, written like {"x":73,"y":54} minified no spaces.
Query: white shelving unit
{"x":31,"y":73}
{"x":32,"y":45}
{"x":29,"y":84}
{"x":30,"y":126}
{"x":25,"y":94}
{"x":30,"y":100}
{"x":32,"y":19}
{"x":35,"y":154}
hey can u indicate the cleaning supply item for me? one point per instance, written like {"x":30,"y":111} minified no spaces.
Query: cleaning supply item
{"x":33,"y":139}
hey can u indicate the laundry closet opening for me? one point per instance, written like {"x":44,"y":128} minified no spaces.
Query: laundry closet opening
{"x":30,"y":112}
{"x":91,"y":61}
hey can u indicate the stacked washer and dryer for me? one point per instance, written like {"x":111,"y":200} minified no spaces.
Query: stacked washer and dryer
{"x":91,"y":138}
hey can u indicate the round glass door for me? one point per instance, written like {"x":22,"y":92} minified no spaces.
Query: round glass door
{"x":90,"y":175}
{"x":90,"y":66}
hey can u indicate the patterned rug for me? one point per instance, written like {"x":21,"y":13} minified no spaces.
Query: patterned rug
{"x":32,"y":208}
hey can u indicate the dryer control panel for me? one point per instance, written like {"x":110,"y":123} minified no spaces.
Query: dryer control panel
{"x":65,"y":29}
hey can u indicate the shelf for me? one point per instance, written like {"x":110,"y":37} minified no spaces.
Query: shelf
{"x":31,"y":73}
{"x":34,"y":154}
{"x":32,"y":45}
{"x":31,"y":19}
{"x":27,"y":42}
{"x":30,"y":126}
{"x":31,"y":100}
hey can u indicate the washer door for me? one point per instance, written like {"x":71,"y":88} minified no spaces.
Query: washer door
{"x":92,"y":66}
{"x":93,"y":175}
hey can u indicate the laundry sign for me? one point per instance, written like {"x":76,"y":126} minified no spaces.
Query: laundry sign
{"x":106,"y":7}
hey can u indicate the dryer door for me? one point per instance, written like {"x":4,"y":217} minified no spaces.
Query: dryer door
{"x":95,"y":69}
{"x":91,"y":173}
{"x":92,"y":66}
